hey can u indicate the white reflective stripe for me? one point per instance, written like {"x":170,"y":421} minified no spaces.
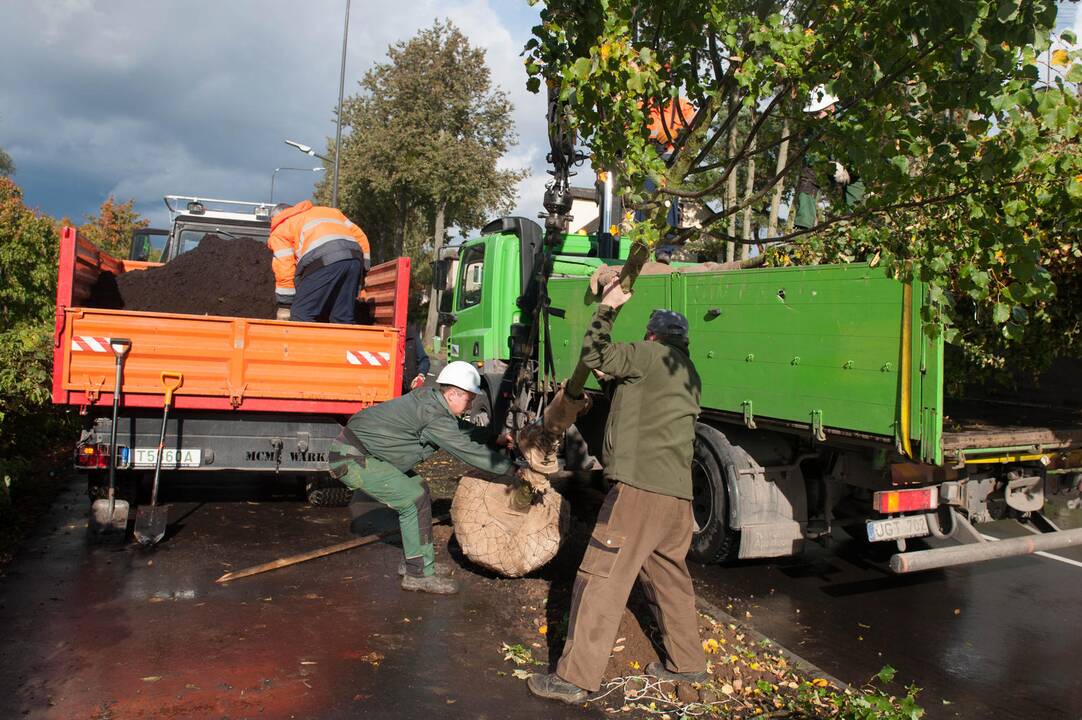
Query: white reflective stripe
{"x":286,"y":291}
{"x":284,"y":252}
{"x":93,"y":344}
{"x":386,"y":356}
{"x":372,"y":359}
{"x":329,"y":238}
{"x":313,"y":223}
{"x":75,"y":346}
{"x":352,"y":358}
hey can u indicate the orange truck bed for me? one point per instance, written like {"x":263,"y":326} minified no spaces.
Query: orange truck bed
{"x":228,"y":363}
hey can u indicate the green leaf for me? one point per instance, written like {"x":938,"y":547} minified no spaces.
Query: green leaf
{"x":887,"y":674}
{"x":1019,"y":314}
{"x":1074,"y":75}
{"x":1007,"y":11}
{"x":1000,"y":313}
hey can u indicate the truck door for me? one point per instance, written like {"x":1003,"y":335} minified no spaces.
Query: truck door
{"x":471,"y":309}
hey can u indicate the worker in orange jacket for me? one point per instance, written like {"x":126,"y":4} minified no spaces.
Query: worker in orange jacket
{"x":320,"y":260}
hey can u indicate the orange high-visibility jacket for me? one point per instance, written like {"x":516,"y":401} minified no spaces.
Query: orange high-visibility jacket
{"x":306,"y":237}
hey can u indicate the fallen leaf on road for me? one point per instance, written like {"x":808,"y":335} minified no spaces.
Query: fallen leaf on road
{"x":309,"y":662}
{"x":152,"y":678}
{"x":520,"y":674}
{"x":727,"y":689}
{"x":543,"y":629}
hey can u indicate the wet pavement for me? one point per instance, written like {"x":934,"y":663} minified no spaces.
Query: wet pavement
{"x":1002,"y":639}
{"x":121,"y":632}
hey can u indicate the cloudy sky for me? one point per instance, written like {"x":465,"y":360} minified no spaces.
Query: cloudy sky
{"x":140,"y":99}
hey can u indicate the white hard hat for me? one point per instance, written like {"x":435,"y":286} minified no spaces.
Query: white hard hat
{"x":820,"y":100}
{"x":461,"y":375}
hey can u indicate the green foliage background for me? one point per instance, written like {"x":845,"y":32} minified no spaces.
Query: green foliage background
{"x":972,"y":163}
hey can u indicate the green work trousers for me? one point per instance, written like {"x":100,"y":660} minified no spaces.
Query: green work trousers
{"x":406,"y":494}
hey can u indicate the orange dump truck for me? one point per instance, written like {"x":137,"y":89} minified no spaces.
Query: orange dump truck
{"x":259,"y":396}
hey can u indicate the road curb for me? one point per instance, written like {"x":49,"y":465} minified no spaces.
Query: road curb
{"x":805,"y":666}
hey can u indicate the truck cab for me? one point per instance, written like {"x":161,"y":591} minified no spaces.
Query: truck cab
{"x":195,"y":218}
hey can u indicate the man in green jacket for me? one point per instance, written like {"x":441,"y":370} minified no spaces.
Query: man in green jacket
{"x":645,"y":525}
{"x":378,"y":447}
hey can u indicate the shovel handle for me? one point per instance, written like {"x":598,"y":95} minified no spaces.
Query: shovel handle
{"x":120,"y":346}
{"x":172,"y":381}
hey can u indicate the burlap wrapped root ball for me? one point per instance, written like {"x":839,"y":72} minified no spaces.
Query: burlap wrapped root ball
{"x":501,"y":539}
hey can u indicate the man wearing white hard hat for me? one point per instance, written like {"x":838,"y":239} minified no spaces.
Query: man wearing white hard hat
{"x":379,"y":446}
{"x":820,"y":105}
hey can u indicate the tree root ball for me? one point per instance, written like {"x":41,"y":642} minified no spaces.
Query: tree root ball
{"x":503,"y":540}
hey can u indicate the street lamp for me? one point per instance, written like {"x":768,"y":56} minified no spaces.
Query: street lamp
{"x":306,"y":149}
{"x":277,"y":170}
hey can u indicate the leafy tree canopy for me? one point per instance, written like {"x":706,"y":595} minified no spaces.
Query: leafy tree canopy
{"x":972,"y":165}
{"x":111,"y":229}
{"x":427,"y":131}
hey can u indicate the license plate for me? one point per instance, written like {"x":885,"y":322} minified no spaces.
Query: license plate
{"x":171,"y":457}
{"x":897,"y":528}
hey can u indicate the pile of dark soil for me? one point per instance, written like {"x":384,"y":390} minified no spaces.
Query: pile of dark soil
{"x":226,"y":277}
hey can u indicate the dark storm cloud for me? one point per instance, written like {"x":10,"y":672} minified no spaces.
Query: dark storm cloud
{"x":142,"y":99}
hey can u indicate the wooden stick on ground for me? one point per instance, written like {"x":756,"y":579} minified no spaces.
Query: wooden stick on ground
{"x":312,"y":554}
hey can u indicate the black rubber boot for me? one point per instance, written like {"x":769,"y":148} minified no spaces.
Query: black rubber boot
{"x":431,"y":584}
{"x":552,"y":687}
{"x":658,"y":670}
{"x":441,"y":569}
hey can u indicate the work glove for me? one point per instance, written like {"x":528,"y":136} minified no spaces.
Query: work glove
{"x":282,"y":313}
{"x":841,"y":175}
{"x":417,"y":382}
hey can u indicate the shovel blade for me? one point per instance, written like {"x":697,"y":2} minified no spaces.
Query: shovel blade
{"x":150,"y":522}
{"x":109,"y":521}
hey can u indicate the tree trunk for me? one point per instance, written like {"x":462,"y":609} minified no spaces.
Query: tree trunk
{"x":434,"y":292}
{"x":400,"y":227}
{"x":730,"y":199}
{"x":749,"y":190}
{"x":779,"y":189}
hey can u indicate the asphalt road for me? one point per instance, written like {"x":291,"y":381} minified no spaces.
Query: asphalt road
{"x":1000,"y":640}
{"x":109,"y":633}
{"x":118,"y":633}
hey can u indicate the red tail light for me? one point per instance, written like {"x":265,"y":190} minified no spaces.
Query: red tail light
{"x":898,"y":501}
{"x":92,"y":456}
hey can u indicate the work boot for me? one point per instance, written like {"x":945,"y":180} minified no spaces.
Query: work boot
{"x":552,"y":687}
{"x":442,"y":570}
{"x":430,"y":584}
{"x":658,"y":670}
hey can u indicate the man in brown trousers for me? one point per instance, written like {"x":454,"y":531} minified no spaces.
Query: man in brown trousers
{"x":644,"y":528}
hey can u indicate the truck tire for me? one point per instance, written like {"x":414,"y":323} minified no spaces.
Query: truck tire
{"x":714,"y":541}
{"x":327,"y":493}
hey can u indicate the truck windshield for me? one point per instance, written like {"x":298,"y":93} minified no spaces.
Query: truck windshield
{"x":190,"y":239}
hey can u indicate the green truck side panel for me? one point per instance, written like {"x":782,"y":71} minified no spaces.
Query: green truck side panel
{"x":794,"y":342}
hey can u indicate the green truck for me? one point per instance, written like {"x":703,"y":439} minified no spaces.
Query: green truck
{"x":822,"y":405}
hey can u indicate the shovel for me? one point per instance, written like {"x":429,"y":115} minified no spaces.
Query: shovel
{"x":150,"y":520}
{"x":109,"y":515}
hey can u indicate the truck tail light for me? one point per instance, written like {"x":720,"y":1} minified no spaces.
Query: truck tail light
{"x":92,"y":456}
{"x":897,"y":501}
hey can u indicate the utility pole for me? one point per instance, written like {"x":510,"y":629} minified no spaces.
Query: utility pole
{"x":338,"y":128}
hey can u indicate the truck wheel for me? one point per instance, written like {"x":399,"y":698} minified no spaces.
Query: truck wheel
{"x":714,"y":541}
{"x":327,"y":493}
{"x":480,"y":412}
